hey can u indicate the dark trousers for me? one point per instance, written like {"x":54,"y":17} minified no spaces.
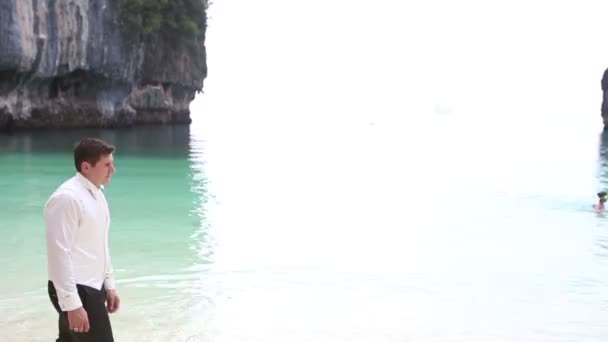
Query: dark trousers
{"x":93,"y":301}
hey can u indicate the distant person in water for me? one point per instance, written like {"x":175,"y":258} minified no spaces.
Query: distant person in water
{"x":599,"y":206}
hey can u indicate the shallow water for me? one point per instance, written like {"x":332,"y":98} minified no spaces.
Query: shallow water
{"x":361,"y":238}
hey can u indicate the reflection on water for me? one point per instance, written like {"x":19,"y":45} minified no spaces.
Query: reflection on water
{"x":603,"y":159}
{"x":167,"y":141}
{"x":202,"y":241}
{"x":601,"y":231}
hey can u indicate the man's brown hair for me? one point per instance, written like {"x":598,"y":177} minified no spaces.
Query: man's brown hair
{"x":91,"y":150}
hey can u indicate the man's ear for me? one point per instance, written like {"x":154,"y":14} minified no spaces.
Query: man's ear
{"x":85,"y":166}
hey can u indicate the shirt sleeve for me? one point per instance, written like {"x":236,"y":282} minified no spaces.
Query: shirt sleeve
{"x":61,"y":216}
{"x":109,"y":283}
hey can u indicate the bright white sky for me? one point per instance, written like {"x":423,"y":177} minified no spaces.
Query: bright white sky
{"x":386,"y":55}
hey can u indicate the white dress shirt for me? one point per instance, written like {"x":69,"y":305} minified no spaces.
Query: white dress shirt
{"x":77,"y":223}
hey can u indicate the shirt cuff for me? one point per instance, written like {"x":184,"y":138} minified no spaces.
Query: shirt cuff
{"x":109,"y":284}
{"x":69,"y":301}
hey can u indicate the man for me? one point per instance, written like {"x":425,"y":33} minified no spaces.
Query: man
{"x":81,"y":281}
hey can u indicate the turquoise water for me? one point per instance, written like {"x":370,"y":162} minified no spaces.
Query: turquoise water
{"x":365,"y":237}
{"x":158,"y":212}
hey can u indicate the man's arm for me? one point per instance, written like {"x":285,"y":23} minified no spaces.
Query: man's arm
{"x":61,"y":215}
{"x":112,"y":298}
{"x":109,"y":283}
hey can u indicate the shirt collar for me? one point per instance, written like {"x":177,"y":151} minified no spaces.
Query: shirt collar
{"x":87,"y":183}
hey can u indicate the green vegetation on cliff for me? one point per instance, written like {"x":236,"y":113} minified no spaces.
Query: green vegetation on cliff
{"x":178,"y":18}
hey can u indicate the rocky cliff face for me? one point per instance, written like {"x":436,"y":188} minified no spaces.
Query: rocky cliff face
{"x":605,"y":99}
{"x":68,"y":63}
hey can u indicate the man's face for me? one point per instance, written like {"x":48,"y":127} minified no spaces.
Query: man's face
{"x":101,"y":173}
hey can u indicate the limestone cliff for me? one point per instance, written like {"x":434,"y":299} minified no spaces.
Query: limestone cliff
{"x":70,"y":63}
{"x":605,"y":99}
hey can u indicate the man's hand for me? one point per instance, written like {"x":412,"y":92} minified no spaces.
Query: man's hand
{"x":112,"y":301}
{"x":78,"y":320}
